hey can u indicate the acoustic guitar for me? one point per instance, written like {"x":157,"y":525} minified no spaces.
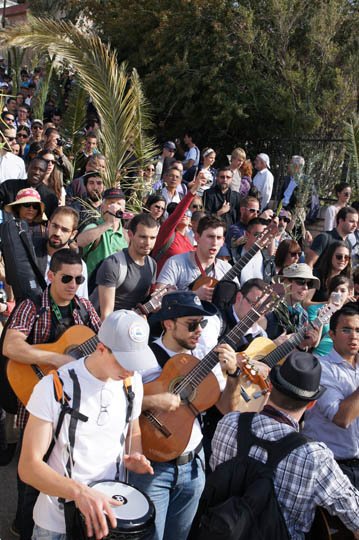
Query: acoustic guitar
{"x":261,"y":242}
{"x":263,"y":349}
{"x":165,"y":434}
{"x":77,"y":341}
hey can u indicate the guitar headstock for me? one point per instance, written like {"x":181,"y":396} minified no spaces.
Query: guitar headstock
{"x":267,"y":235}
{"x":327,"y":311}
{"x":155,"y":301}
{"x":270,"y":298}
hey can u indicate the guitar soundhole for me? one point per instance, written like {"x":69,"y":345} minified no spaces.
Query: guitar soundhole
{"x":187,"y":392}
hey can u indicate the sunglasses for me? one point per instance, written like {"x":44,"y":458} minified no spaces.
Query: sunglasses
{"x":252,"y":210}
{"x":347,"y":194}
{"x":9,"y":119}
{"x":192,"y":326}
{"x":285,"y":219}
{"x":340,"y":257}
{"x":159,"y":207}
{"x":10,"y":138}
{"x":50,"y":160}
{"x":23,"y":135}
{"x":35,"y":206}
{"x":303,"y":282}
{"x":225,"y":176}
{"x":199,"y":206}
{"x":295,"y":253}
{"x":150,"y":170}
{"x":37,"y":127}
{"x":67,"y":279}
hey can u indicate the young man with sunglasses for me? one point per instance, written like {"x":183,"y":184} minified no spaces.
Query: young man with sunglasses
{"x":11,"y":166}
{"x":249,"y":209}
{"x":221,"y":200}
{"x":60,"y":309}
{"x":290,"y":316}
{"x":105,"y":439}
{"x":176,"y":485}
{"x":37,"y":130}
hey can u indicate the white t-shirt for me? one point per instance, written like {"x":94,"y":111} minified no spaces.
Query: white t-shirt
{"x":254,"y":267}
{"x":181,"y":270}
{"x":97,"y":448}
{"x":263,"y":181}
{"x":330,"y":221}
{"x":12,"y":168}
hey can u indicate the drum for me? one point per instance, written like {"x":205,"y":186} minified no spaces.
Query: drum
{"x":136,"y":516}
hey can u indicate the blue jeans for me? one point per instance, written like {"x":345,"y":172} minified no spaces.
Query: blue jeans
{"x":175,"y":491}
{"x":43,"y":534}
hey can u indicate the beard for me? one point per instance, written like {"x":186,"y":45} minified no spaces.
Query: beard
{"x":56,"y":245}
{"x":94,"y":196}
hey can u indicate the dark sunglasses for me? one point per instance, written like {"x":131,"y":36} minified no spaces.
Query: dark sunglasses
{"x":49,"y":160}
{"x":36,"y":127}
{"x":67,"y":279}
{"x":10,"y":138}
{"x":252,"y":210}
{"x":294,"y":253}
{"x":192,"y":326}
{"x":24,"y":135}
{"x":347,"y":194}
{"x":35,"y":206}
{"x":9,"y":119}
{"x":302,"y":282}
{"x":341,"y":257}
{"x":285,"y":219}
{"x":150,"y":170}
{"x":159,"y":207}
{"x":197,"y":206}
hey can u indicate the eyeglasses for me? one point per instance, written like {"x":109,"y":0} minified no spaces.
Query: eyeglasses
{"x":66,"y":278}
{"x":285,"y":219}
{"x":347,"y":194}
{"x":252,"y":210}
{"x":250,"y":302}
{"x":159,"y":207}
{"x":341,"y":257}
{"x":37,"y":127}
{"x":192,"y":326}
{"x":199,"y":206}
{"x":23,"y":135}
{"x":35,"y":206}
{"x":229,"y":177}
{"x":303,"y":282}
{"x":105,"y":401}
{"x":10,"y":138}
{"x":294,"y":253}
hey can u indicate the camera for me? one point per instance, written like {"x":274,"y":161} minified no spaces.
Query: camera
{"x":60,"y":142}
{"x":120,"y":214}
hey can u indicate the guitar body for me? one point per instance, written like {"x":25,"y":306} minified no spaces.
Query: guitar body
{"x":255,"y":388}
{"x":204,"y":280}
{"x":23,"y":378}
{"x":168,"y":439}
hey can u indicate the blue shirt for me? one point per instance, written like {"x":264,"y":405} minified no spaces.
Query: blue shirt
{"x":341,"y":380}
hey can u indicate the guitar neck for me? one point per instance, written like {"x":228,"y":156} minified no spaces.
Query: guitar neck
{"x":86,"y":348}
{"x":205,"y":366}
{"x":238,"y":267}
{"x":285,"y":348}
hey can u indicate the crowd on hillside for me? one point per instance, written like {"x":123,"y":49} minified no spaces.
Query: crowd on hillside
{"x":195,"y":266}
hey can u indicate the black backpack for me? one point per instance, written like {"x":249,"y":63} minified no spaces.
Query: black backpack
{"x":239,"y":500}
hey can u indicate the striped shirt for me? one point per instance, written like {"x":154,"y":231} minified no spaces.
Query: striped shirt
{"x":308,"y":477}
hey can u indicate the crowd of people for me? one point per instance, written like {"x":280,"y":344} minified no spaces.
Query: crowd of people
{"x":209,"y":243}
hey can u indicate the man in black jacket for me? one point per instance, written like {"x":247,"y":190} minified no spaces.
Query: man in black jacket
{"x":221,"y":200}
{"x":35,"y":176}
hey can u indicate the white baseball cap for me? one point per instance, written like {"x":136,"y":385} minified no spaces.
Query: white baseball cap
{"x":126,"y":334}
{"x":265,"y":158}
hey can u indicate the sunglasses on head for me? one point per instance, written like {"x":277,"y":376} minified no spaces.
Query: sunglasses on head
{"x":302,"y":282}
{"x":192,"y":326}
{"x":67,"y":279}
{"x":341,"y":257}
{"x":285,"y":219}
{"x":35,"y":206}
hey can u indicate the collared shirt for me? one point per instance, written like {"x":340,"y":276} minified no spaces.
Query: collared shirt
{"x":263,"y":181}
{"x":289,"y":191}
{"x":254,"y":267}
{"x":256,"y":330}
{"x":24,"y":320}
{"x":12,"y":167}
{"x":308,"y":477}
{"x":341,"y":380}
{"x":176,"y":197}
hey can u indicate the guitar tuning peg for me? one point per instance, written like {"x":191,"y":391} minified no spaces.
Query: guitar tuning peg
{"x":253,"y":372}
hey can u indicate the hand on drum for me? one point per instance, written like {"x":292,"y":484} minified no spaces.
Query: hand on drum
{"x":227,"y":357}
{"x":137,"y":463}
{"x":93,"y":505}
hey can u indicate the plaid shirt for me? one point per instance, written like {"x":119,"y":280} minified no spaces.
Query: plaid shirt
{"x":25,"y":320}
{"x":308,"y":477}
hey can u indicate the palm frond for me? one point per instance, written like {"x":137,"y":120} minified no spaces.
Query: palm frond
{"x":351,"y":134}
{"x":39,"y":100}
{"x":99,"y":74}
{"x":74,"y":119}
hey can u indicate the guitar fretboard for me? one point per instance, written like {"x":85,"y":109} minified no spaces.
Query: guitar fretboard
{"x":238,"y":267}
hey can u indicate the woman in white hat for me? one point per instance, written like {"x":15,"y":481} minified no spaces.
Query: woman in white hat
{"x":29,"y":207}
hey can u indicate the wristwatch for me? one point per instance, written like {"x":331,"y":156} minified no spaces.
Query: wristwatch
{"x":236,"y":374}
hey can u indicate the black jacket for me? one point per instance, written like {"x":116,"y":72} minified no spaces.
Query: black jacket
{"x":213,"y":199}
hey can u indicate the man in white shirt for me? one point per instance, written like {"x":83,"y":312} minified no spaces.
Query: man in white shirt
{"x":99,"y":448}
{"x":263,"y":180}
{"x":11,"y":167}
{"x":257,"y":266}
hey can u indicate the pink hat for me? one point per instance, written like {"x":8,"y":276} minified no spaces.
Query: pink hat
{"x":28,"y":195}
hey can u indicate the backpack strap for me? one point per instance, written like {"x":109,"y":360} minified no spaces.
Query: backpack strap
{"x":122,"y":261}
{"x":84,"y":314}
{"x":244,"y":434}
{"x":161,"y":252}
{"x":160,"y":354}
